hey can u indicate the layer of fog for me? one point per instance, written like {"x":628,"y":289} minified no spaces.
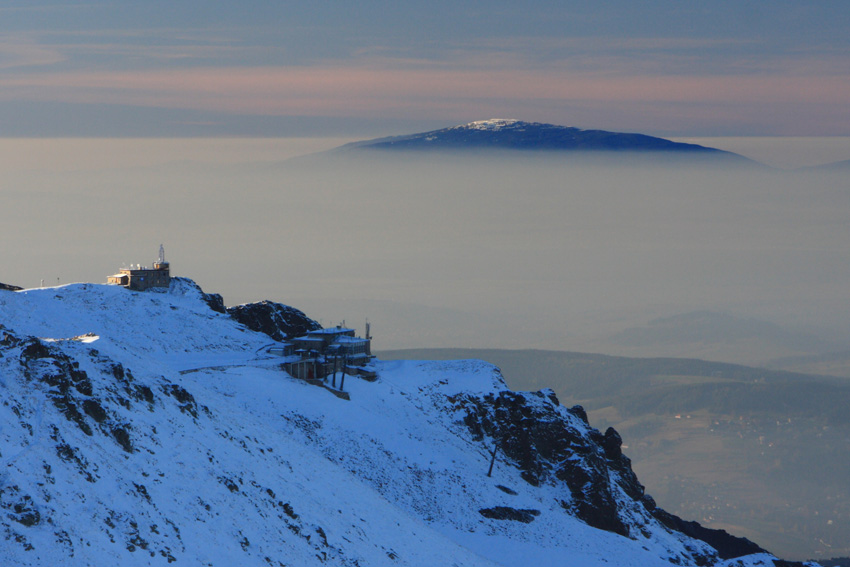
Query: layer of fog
{"x":507,"y":252}
{"x":784,"y":152}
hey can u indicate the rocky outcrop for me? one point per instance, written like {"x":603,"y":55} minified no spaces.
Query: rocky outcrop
{"x":215,"y":301}
{"x":72,"y":392}
{"x":8,"y":287}
{"x":554,"y":445}
{"x":727,"y":545}
{"x":278,"y":321}
{"x":508,"y":513}
{"x":547,"y":447}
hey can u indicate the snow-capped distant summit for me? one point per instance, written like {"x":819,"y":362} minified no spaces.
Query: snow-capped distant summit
{"x":492,"y":124}
{"x":509,"y":134}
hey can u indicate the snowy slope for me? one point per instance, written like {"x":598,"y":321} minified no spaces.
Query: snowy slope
{"x":145,"y":428}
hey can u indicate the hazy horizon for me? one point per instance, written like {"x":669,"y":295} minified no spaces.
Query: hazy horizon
{"x":436,"y":252}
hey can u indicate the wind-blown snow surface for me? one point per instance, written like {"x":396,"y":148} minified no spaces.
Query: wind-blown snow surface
{"x":165,"y":433}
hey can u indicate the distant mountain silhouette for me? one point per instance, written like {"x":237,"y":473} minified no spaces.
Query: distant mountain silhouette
{"x":498,"y":134}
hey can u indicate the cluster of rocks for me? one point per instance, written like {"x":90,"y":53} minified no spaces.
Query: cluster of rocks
{"x":276,"y":320}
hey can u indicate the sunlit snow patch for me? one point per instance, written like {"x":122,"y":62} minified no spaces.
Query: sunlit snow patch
{"x":86,"y":338}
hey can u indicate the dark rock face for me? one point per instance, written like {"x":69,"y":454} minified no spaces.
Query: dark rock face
{"x":215,"y":301}
{"x":278,"y":321}
{"x":186,"y":401}
{"x":547,"y":447}
{"x":8,"y":287}
{"x":727,"y":545}
{"x":508,"y":513}
{"x":72,"y":392}
{"x":579,"y":412}
{"x":19,"y":506}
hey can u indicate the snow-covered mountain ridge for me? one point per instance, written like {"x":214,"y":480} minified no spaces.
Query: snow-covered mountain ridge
{"x":149,"y":428}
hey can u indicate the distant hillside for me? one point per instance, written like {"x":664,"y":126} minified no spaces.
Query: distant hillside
{"x":723,"y":444}
{"x":714,"y":327}
{"x":830,"y":364}
{"x":715,"y":335}
{"x":498,"y":134}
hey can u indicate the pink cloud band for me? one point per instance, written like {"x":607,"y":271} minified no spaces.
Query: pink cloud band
{"x":393,"y":90}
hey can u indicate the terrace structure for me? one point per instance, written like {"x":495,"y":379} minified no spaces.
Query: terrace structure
{"x":324,"y":352}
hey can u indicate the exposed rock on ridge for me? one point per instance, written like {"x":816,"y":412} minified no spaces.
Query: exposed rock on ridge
{"x":548,"y":448}
{"x":727,"y":545}
{"x":278,"y":321}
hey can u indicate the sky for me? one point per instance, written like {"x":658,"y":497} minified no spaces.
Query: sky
{"x":282,"y":69}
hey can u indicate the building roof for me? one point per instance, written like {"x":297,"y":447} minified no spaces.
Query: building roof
{"x":331,"y":331}
{"x":134,"y":271}
{"x":350,"y":340}
{"x":308,"y":338}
